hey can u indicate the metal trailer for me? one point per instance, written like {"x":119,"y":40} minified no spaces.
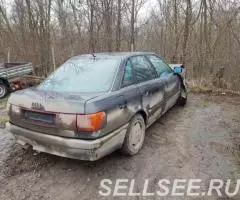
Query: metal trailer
{"x":11,"y":75}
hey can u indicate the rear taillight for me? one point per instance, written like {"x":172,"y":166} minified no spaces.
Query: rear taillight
{"x":91,"y":122}
{"x":67,"y":121}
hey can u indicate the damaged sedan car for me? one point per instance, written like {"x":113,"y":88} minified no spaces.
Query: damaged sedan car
{"x":95,"y":104}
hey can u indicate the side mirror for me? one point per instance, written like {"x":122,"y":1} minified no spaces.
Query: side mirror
{"x":178,"y":70}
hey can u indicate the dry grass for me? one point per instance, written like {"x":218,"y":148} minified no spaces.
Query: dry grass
{"x":3,"y":120}
{"x":199,"y":86}
{"x":205,"y":86}
{"x":3,"y":112}
{"x":3,"y":103}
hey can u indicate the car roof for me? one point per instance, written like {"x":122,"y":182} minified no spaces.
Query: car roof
{"x":121,"y":55}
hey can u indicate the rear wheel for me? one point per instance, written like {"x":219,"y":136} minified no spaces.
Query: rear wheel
{"x":182,"y":100}
{"x":3,"y":90}
{"x":135,"y":136}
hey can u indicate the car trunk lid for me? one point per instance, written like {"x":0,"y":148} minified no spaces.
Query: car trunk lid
{"x":47,"y":112}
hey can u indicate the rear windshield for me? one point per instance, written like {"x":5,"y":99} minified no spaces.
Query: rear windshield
{"x":82,"y":75}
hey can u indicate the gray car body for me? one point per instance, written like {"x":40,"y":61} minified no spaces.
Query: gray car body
{"x":151,"y":99}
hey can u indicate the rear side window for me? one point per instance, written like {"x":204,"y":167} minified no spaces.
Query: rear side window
{"x":83,"y":75}
{"x":143,"y":69}
{"x":161,"y":67}
{"x":128,"y":74}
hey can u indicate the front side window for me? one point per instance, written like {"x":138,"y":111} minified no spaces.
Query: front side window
{"x":128,"y":74}
{"x":161,"y":67}
{"x":82,"y":75}
{"x":143,"y":69}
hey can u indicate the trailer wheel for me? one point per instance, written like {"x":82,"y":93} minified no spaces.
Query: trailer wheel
{"x":3,"y":90}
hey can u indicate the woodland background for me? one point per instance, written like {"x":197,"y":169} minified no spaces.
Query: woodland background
{"x":202,"y":34}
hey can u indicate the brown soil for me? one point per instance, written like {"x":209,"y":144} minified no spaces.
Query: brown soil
{"x":200,"y":141}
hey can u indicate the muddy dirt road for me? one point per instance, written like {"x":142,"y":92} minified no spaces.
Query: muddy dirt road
{"x":198,"y":141}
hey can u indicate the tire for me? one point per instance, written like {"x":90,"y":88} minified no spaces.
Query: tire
{"x":3,"y":90}
{"x":134,"y":137}
{"x":182,"y":100}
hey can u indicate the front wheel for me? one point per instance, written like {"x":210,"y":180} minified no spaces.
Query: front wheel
{"x":182,"y":100}
{"x":3,"y":90}
{"x":135,"y":136}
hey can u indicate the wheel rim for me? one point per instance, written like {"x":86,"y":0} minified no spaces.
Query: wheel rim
{"x":2,"y":91}
{"x":136,"y":136}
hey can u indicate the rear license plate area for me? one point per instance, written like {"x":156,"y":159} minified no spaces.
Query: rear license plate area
{"x":39,"y":117}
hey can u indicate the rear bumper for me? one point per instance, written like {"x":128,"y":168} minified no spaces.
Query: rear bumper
{"x":69,"y":147}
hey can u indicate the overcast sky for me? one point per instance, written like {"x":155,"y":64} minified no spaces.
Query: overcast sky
{"x":143,"y":13}
{"x":146,"y":9}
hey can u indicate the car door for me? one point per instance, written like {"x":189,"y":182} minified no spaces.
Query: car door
{"x":151,"y":88}
{"x":171,"y":80}
{"x":130,"y":92}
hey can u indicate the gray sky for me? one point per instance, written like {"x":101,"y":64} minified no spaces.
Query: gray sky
{"x":146,"y":9}
{"x":143,"y":13}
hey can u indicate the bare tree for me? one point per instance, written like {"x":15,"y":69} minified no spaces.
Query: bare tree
{"x":91,"y":5}
{"x":202,"y":34}
{"x":119,"y":21}
{"x":107,"y":16}
{"x":132,"y":41}
{"x":188,"y":18}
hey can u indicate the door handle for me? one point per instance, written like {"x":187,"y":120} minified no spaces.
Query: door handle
{"x":123,"y":105}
